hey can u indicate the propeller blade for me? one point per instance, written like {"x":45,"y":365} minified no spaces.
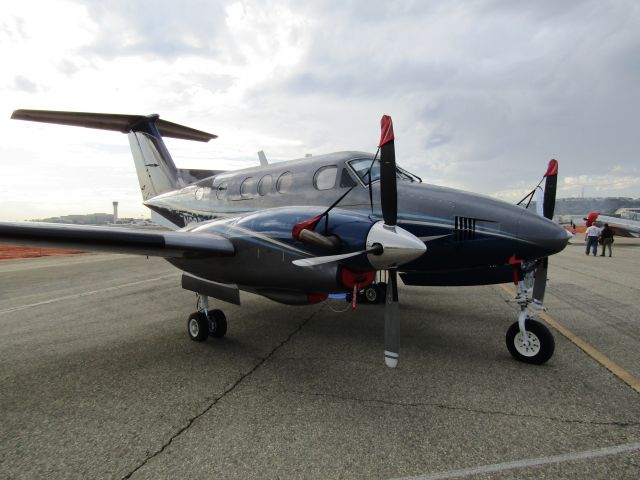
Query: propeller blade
{"x":313,"y":261}
{"x":549,"y":203}
{"x":548,"y":206}
{"x":540,"y":282}
{"x":391,"y":322}
{"x":388,"y":187}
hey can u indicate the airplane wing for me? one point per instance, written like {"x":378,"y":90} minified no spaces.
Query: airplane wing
{"x":621,"y":226}
{"x":115,"y":239}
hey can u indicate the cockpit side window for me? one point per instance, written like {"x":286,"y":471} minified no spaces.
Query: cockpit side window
{"x":361,"y":168}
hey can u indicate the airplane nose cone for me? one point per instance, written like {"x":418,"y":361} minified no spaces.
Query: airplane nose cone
{"x":399,"y":246}
{"x":548,"y":236}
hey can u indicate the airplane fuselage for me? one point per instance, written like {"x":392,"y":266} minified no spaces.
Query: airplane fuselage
{"x":470,"y":237}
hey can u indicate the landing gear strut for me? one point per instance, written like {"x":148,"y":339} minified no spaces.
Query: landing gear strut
{"x":529,"y":340}
{"x":205,"y":322}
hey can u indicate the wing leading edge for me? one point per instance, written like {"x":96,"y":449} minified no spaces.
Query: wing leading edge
{"x":117,"y":240}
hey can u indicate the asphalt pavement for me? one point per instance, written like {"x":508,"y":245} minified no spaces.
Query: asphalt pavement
{"x":98,"y":379}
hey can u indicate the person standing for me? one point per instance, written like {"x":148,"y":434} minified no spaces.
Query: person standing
{"x":606,"y":235}
{"x":591,"y":237}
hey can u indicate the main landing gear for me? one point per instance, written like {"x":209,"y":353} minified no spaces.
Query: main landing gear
{"x":529,"y":340}
{"x":206,"y":323}
{"x":376,"y":292}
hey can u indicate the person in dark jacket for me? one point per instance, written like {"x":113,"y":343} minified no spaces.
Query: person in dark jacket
{"x":606,"y":238}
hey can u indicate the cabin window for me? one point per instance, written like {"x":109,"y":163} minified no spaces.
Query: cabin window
{"x":325,"y":178}
{"x":246,"y":188}
{"x":265,"y":185}
{"x":284,"y":182}
{"x":222,"y":190}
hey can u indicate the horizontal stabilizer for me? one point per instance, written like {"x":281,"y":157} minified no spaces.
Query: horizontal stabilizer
{"x":155,"y":243}
{"x":114,"y":122}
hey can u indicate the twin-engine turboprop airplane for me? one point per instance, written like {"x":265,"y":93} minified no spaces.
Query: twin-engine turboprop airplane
{"x":299,"y":230}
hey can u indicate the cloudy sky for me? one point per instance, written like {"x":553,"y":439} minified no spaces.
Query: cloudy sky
{"x":482,"y":93}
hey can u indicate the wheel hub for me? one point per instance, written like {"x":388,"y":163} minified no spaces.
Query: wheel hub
{"x":529,"y":346}
{"x":194,"y":329}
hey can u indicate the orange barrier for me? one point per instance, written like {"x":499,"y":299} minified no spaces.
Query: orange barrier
{"x":8,"y":252}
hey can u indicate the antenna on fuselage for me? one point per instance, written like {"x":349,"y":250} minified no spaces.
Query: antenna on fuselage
{"x":263,"y":159}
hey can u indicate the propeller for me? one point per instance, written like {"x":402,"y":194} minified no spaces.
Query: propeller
{"x":387,"y":245}
{"x":389,"y":204}
{"x":548,"y":207}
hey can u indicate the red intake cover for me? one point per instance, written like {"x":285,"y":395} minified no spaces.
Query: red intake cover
{"x":309,"y":224}
{"x":349,"y":278}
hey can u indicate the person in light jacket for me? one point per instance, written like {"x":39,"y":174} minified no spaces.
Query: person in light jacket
{"x":591,"y":236}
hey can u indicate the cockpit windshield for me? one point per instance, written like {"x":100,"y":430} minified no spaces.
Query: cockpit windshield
{"x":361,"y":167}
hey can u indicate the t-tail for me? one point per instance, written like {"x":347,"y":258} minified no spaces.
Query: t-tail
{"x":157,"y":173}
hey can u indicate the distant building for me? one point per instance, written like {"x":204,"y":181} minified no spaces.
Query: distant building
{"x":95,"y":219}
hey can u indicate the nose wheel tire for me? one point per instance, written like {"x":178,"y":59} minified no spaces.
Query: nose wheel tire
{"x":538,"y":345}
{"x":198,"y":327}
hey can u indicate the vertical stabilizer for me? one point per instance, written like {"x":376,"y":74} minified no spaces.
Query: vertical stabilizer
{"x":157,"y":173}
{"x":155,"y":168}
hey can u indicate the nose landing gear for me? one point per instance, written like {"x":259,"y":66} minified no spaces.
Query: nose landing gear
{"x":529,"y":340}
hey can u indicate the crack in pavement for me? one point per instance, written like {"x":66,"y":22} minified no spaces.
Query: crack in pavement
{"x":227,"y":391}
{"x":449,"y":407}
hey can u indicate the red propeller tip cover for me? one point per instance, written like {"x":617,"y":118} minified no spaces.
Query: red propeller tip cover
{"x":552,"y":169}
{"x":386,"y":130}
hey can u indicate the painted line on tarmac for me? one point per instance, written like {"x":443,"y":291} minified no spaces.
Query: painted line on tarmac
{"x":587,"y":348}
{"x":531,"y":462}
{"x":86,"y":294}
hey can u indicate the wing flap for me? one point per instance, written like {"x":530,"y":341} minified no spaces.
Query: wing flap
{"x":115,"y":239}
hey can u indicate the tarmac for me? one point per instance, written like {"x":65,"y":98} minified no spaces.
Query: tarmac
{"x":98,"y":379}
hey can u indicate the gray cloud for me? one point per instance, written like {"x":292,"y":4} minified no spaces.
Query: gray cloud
{"x":483,"y":93}
{"x":67,"y":67}
{"x":161,"y":28}
{"x":490,"y":89}
{"x":22,"y":83}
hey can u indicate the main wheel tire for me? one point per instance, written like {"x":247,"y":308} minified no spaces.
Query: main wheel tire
{"x":541,"y":343}
{"x":217,"y":323}
{"x":198,"y":327}
{"x":371,"y":294}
